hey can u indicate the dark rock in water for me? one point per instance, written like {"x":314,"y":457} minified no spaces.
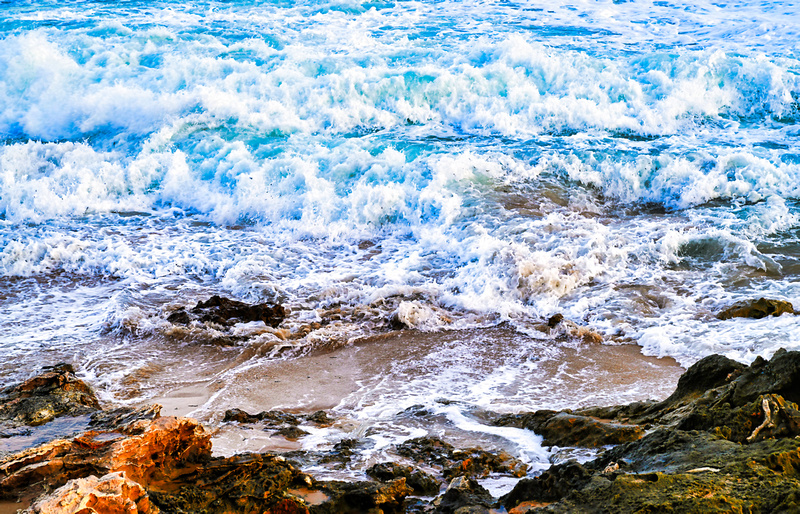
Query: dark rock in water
{"x":272,"y":418}
{"x":757,"y":309}
{"x":358,"y":497}
{"x":421,"y":483}
{"x":124,"y":418}
{"x":342,"y":452}
{"x":224,"y":311}
{"x":242,"y":483}
{"x":727,"y":440}
{"x":707,"y":373}
{"x":566,"y":429}
{"x":552,"y":485}
{"x":53,"y":393}
{"x":554,"y":320}
{"x":474,"y":462}
{"x":240,"y":416}
{"x":469,"y":462}
{"x":292,"y":433}
{"x":320,"y":418}
{"x":429,"y":450}
{"x":465,"y":495}
{"x":180,"y":317}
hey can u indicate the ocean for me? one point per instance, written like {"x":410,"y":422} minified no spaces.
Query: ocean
{"x":464,"y":170}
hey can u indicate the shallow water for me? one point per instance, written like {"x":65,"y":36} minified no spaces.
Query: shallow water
{"x":467,"y":168}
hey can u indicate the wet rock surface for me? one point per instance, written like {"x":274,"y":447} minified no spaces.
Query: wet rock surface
{"x":109,"y":494}
{"x":421,"y":483}
{"x":227,"y":312}
{"x":53,"y":393}
{"x":567,"y":429}
{"x":472,"y":462}
{"x":757,"y":309}
{"x":727,"y":440}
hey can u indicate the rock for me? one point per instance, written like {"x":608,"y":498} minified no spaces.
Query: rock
{"x":110,"y":494}
{"x":552,"y":485}
{"x":226,"y":312}
{"x":757,"y":309}
{"x":148,"y":451}
{"x":362,"y":497}
{"x":475,"y":462}
{"x":469,"y":462}
{"x":465,"y":493}
{"x":707,"y":373}
{"x":780,"y":375}
{"x":320,"y":418}
{"x":292,"y":433}
{"x":429,"y":450}
{"x":124,"y":418}
{"x":554,"y":320}
{"x":272,"y":418}
{"x":53,"y":393}
{"x":240,"y":416}
{"x":342,"y":452}
{"x":242,"y":483}
{"x":727,"y":440}
{"x":566,"y":429}
{"x":421,"y":483}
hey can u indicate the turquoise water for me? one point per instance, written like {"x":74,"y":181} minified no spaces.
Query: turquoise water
{"x":634,"y":166}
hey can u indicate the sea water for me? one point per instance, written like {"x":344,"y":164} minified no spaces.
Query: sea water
{"x":468,"y":169}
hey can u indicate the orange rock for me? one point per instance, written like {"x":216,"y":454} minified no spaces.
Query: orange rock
{"x":110,"y":494}
{"x":524,"y":507}
{"x":147,"y":451}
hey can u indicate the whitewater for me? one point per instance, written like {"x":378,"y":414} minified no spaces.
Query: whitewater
{"x":463,"y":170}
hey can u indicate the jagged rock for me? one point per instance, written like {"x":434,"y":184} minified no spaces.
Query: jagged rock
{"x":469,"y":462}
{"x":148,"y":451}
{"x":109,"y":494}
{"x":707,"y":373}
{"x":226,"y":312}
{"x":242,"y":483}
{"x":731,"y":387}
{"x":272,"y":418}
{"x":124,"y":418}
{"x":320,"y":418}
{"x":362,"y":497}
{"x":725,"y":441}
{"x":475,"y":462}
{"x":552,"y":485}
{"x":421,"y":483}
{"x":566,"y":429}
{"x":429,"y":450}
{"x":554,"y":320}
{"x":342,"y":452}
{"x":464,"y":494}
{"x":757,"y":309}
{"x":292,"y":433}
{"x":53,"y":393}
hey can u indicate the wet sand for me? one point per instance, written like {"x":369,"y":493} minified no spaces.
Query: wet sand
{"x":388,"y":372}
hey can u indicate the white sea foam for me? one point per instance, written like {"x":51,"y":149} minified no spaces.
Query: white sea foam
{"x":633,"y":166}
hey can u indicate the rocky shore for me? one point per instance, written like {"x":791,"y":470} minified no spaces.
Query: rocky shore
{"x":727,"y":440}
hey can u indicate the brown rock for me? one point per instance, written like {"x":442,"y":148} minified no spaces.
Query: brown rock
{"x":150,"y":452}
{"x":242,"y":483}
{"x":362,"y":497}
{"x":224,"y":311}
{"x":567,"y":429}
{"x":757,"y":309}
{"x":55,"y":392}
{"x":110,"y":494}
